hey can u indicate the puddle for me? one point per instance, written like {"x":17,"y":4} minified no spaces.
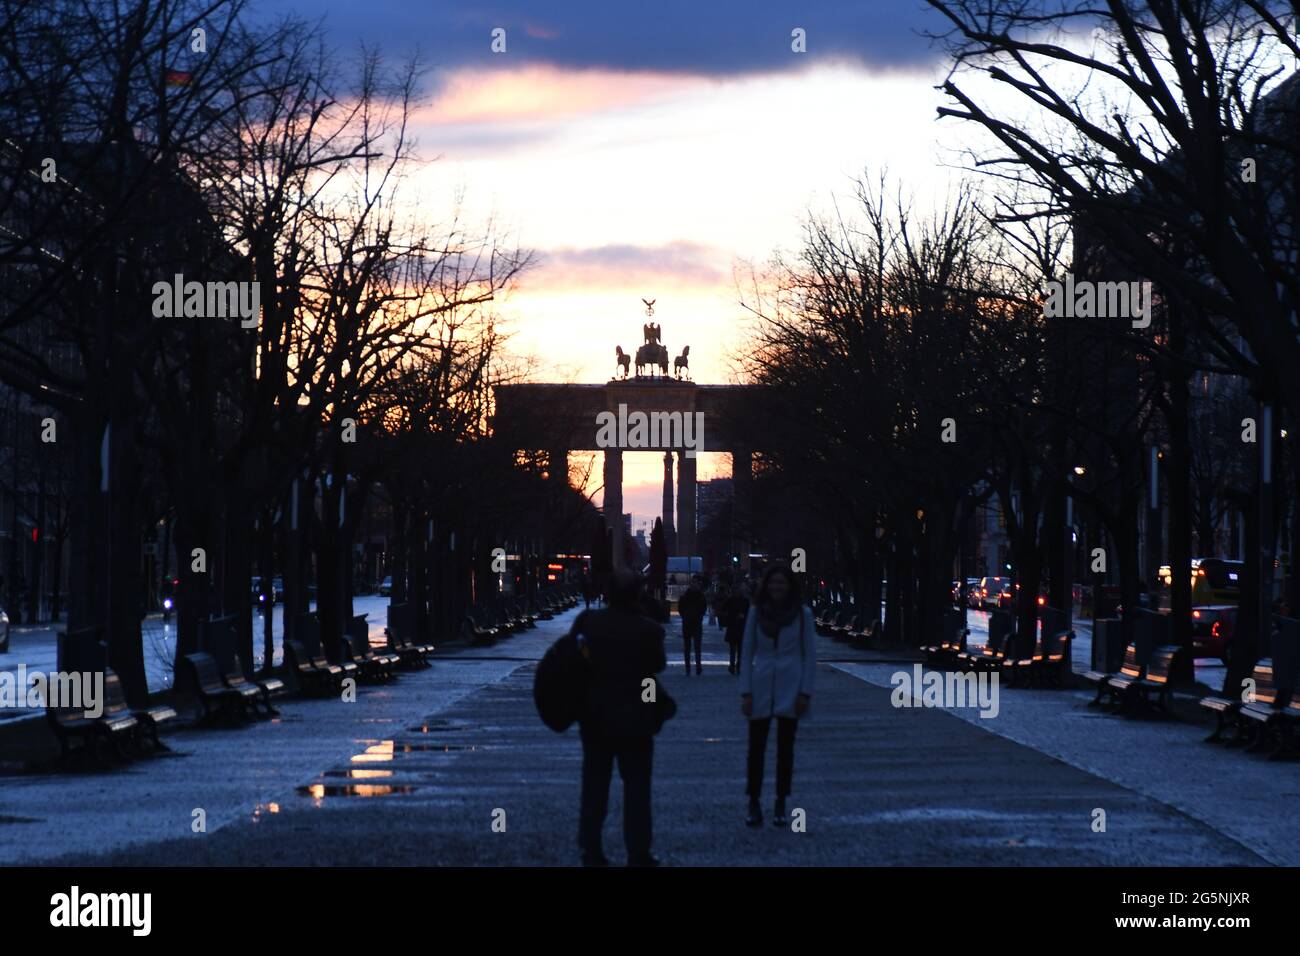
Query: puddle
{"x":432,"y":748}
{"x":437,"y":726}
{"x":378,"y":752}
{"x":320,"y":790}
{"x":358,"y":774}
{"x":263,"y":809}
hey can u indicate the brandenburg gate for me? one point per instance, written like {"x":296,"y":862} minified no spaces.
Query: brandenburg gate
{"x":638,"y":412}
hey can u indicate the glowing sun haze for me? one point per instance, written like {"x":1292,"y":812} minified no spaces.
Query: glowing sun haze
{"x":663,"y":187}
{"x":655,"y":153}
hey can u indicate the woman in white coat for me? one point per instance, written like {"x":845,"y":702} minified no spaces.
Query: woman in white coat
{"x":777,"y":663}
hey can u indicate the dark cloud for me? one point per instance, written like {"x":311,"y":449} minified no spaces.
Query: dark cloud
{"x":687,"y":36}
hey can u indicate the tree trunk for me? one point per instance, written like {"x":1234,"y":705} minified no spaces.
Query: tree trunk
{"x":1178,"y":478}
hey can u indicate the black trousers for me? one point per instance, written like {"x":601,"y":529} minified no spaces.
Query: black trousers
{"x":733,"y":651}
{"x":758,"y":730}
{"x":692,"y":633}
{"x":635,"y":759}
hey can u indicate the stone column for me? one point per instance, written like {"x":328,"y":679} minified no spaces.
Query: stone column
{"x":670,"y":534}
{"x":613,"y":506}
{"x":742,"y":473}
{"x":685,"y":505}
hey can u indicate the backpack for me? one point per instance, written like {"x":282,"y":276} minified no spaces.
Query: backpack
{"x":560,"y":682}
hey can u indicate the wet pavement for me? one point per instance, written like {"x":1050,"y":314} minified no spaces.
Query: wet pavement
{"x":451,"y":766}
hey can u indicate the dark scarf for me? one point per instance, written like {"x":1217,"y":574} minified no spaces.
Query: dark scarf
{"x":773,"y":617}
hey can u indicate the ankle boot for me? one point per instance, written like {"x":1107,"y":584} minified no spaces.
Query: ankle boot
{"x":755,"y":816}
{"x":779,"y":818}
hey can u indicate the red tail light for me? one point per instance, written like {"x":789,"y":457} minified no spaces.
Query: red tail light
{"x":1041,"y":600}
{"x":1216,"y":631}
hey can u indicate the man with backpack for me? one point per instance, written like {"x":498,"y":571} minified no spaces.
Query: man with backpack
{"x":624,"y":709}
{"x":691,"y":606}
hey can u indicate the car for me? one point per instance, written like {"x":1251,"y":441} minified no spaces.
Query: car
{"x":990,"y":592}
{"x":1213,"y":630}
{"x":1216,"y":581}
{"x":957,"y":587}
{"x":386,"y":587}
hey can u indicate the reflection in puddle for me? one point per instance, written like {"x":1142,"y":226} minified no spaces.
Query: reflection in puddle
{"x":319,"y":791}
{"x":358,"y":774}
{"x":376,"y":753}
{"x":431,"y":747}
{"x":434,"y":727}
{"x":264,"y":808}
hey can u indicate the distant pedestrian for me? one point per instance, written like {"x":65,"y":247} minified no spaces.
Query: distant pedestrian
{"x":691,"y":607}
{"x":778,"y":663}
{"x":623,"y":649}
{"x":735,"y":609}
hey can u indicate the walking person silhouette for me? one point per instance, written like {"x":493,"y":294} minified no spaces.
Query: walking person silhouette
{"x":732,"y":616}
{"x":691,"y":607}
{"x":777,"y":668}
{"x":623,"y":649}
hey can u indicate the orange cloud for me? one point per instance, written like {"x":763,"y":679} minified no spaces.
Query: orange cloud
{"x":678,"y":264}
{"x":476,"y":95}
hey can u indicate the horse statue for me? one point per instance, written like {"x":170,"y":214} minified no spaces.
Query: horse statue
{"x":652,"y":355}
{"x":624,"y":360}
{"x":682,"y":364}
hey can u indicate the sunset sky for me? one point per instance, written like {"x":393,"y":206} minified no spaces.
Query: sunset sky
{"x":654,"y":150}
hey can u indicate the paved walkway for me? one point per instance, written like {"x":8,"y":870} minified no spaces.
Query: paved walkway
{"x":418,"y":773}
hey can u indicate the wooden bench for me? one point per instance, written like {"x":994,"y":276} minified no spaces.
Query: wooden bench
{"x":1115,"y":686}
{"x":315,"y":674}
{"x":399,"y":632}
{"x":1226,"y":711}
{"x":866,"y":629}
{"x":951,"y":645}
{"x":71,"y":724}
{"x":147,"y":718}
{"x":1130,"y":672}
{"x":355,"y":648}
{"x":479,"y":627}
{"x":1049,"y":663}
{"x":990,"y":656}
{"x":1260,"y":718}
{"x":210,"y":690}
{"x":384,"y":662}
{"x":843,"y":622}
{"x":1100,"y":679}
{"x":261,"y":690}
{"x":1155,"y":682}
